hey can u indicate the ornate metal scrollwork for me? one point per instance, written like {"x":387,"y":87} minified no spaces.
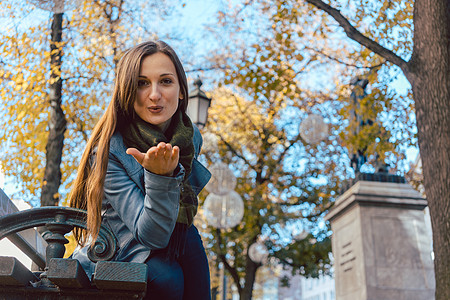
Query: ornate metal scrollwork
{"x":59,"y":221}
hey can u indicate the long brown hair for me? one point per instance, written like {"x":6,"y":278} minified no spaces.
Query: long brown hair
{"x":87,"y":190}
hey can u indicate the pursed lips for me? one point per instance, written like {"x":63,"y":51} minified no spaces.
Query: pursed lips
{"x":155,"y":109}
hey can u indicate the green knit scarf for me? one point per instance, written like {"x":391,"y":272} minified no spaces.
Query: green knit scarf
{"x":142,"y":136}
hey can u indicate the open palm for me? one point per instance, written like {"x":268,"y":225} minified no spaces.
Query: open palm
{"x":161,"y":160}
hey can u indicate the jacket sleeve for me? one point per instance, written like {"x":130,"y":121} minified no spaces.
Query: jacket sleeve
{"x":150,"y":216}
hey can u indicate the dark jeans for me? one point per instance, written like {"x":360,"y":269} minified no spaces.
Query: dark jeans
{"x":185,"y":278}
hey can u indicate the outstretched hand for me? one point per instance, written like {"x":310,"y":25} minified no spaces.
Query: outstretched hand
{"x":161,"y":160}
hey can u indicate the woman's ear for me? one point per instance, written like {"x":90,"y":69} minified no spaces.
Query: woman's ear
{"x":181,"y":97}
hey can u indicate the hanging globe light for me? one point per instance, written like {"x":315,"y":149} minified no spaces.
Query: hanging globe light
{"x":56,"y":6}
{"x":224,"y":211}
{"x":313,"y":129}
{"x":222,"y":179}
{"x":210,"y":142}
{"x":258,"y":252}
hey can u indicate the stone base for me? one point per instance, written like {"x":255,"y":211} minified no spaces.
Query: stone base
{"x":381,"y":246}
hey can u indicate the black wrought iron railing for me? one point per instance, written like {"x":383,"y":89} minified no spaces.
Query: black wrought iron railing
{"x":58,"y":221}
{"x":65,"y":277}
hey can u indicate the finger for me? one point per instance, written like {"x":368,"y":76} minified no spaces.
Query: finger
{"x":152,"y":153}
{"x":175,"y":153}
{"x":168,"y":152}
{"x":161,"y":147}
{"x":138,"y":155}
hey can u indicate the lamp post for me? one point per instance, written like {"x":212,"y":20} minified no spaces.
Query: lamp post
{"x":224,"y":208}
{"x":198,"y":105}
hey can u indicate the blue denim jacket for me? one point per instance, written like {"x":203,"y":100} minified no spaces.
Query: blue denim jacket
{"x":140,"y":207}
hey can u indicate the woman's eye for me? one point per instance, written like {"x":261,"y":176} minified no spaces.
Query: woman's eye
{"x":142,"y":82}
{"x":167,"y":81}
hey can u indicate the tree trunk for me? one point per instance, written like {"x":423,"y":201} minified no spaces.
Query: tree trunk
{"x":430,"y":80}
{"x":57,"y":122}
{"x":250,"y":276}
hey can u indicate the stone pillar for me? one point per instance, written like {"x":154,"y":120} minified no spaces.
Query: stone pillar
{"x":381,"y":245}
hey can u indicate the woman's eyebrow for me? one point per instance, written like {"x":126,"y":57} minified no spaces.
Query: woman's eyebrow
{"x":165,"y":74}
{"x":161,"y":75}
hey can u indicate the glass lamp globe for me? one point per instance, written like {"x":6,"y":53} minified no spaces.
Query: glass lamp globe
{"x":198,"y":105}
{"x":313,"y":129}
{"x":210,"y":142}
{"x":222,"y":179}
{"x":224,"y":211}
{"x":258,"y":252}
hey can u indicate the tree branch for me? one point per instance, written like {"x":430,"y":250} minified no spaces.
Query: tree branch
{"x":212,"y":68}
{"x":289,"y":263}
{"x":233,"y":272}
{"x":87,"y":78}
{"x":343,"y":62}
{"x":80,"y":127}
{"x":282,"y":156}
{"x":247,"y":3}
{"x":231,"y":148}
{"x":357,"y":36}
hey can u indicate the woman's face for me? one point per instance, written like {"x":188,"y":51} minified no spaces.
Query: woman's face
{"x":158,"y":90}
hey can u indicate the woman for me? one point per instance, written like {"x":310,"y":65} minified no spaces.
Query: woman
{"x":139,"y":175}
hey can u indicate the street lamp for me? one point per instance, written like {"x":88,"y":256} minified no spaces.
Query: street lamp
{"x":222,"y":180}
{"x":224,"y":208}
{"x":313,"y":129}
{"x":258,"y":253}
{"x":224,"y":211}
{"x":198,"y":105}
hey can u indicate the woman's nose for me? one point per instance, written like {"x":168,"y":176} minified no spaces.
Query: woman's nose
{"x":155,"y":93}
